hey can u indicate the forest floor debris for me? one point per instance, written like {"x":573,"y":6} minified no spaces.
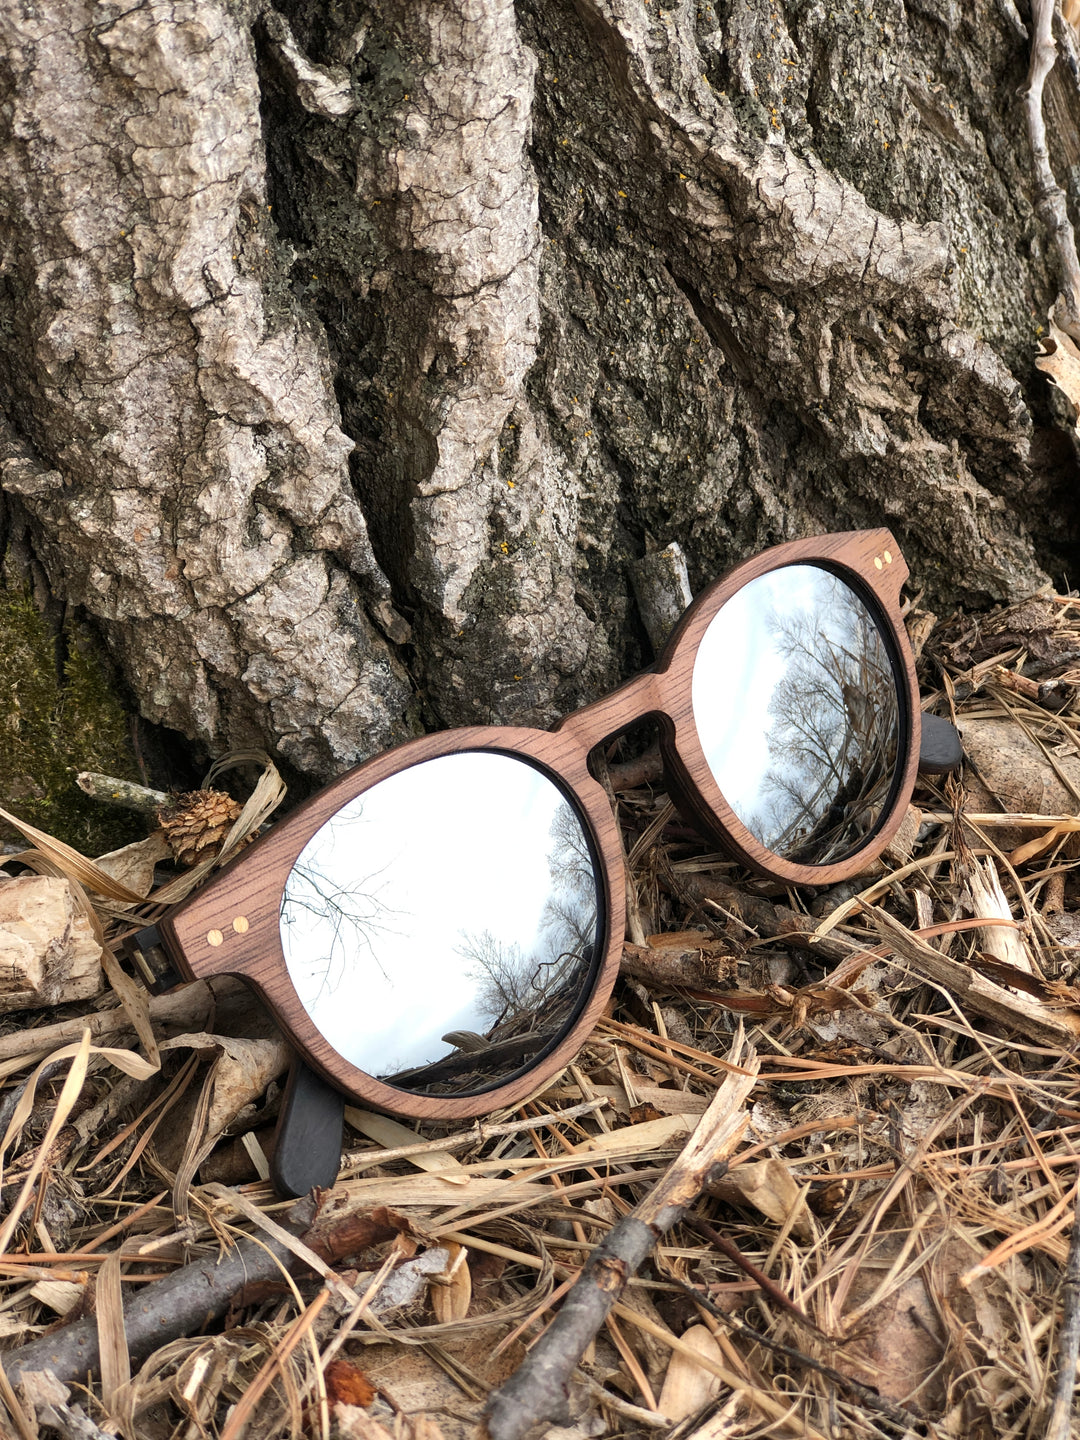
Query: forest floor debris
{"x":888,"y":1252}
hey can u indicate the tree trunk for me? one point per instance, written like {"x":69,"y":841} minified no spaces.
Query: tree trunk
{"x":350,"y":353}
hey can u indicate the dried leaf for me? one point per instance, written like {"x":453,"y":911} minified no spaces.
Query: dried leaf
{"x":688,"y":1387}
{"x":1013,"y":772}
{"x":80,"y":1057}
{"x":133,"y":865}
{"x":769,"y":1186}
{"x":451,"y":1292}
{"x":896,"y":1346}
{"x":59,"y":1295}
{"x":406,"y":1284}
{"x":1046,"y":841}
{"x":346,"y":1384}
{"x":112,"y":1337}
{"x":69,"y":862}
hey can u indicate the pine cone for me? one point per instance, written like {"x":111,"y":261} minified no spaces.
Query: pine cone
{"x":197,"y":823}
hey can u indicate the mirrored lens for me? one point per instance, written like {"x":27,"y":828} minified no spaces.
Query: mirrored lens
{"x":440,"y":929}
{"x":797,"y":709}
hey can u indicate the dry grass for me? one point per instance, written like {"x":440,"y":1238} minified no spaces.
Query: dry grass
{"x":908,"y":1181}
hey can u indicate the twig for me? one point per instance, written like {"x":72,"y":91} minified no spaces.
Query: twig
{"x":357,"y":1160}
{"x":539,"y":1388}
{"x":906,"y":1419}
{"x":1049,"y":197}
{"x":126,"y":794}
{"x":735,"y":1255}
{"x":1068,"y":1345}
{"x":649,"y":1419}
{"x":189,"y":1006}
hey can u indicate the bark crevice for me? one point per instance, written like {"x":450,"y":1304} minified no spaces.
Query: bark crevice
{"x":411,"y":324}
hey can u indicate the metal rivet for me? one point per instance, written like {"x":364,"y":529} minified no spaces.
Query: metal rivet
{"x":888,"y":557}
{"x":240,"y":924}
{"x":877,"y":562}
{"x":214,"y":937}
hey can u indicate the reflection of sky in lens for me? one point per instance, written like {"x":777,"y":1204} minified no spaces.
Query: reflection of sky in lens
{"x":387,"y":896}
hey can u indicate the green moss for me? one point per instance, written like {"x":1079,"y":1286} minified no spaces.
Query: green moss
{"x":57,"y":719}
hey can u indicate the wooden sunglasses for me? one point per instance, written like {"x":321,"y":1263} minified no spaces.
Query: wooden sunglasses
{"x":438,"y":930}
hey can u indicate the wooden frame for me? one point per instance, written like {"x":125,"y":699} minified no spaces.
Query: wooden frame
{"x":231,"y":925}
{"x":869,"y":561}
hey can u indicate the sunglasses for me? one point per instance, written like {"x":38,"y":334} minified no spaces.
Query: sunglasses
{"x":438,"y":930}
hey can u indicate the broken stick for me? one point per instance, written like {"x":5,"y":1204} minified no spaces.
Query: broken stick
{"x":539,"y":1389}
{"x":181,"y":1304}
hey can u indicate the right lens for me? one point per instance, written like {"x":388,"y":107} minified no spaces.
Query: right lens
{"x":442,"y":929}
{"x":798,"y":712}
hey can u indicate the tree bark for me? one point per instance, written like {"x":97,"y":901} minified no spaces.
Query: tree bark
{"x":350,"y":353}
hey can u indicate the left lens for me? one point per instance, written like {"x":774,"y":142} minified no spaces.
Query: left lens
{"x":798,"y":712}
{"x":441,"y":929}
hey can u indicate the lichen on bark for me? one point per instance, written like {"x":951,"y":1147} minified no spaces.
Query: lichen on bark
{"x":353,"y":352}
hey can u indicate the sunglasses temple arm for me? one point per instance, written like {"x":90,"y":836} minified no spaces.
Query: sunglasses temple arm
{"x":146,"y":951}
{"x":940,"y":748}
{"x":307,"y":1142}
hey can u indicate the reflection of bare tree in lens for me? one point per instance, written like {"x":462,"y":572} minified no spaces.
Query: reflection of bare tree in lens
{"x":832,"y":744}
{"x":513,"y":987}
{"x":348,"y":913}
{"x":569,"y":922}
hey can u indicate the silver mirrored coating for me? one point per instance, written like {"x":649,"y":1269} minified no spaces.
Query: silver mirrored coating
{"x":440,"y":929}
{"x":797,"y":709}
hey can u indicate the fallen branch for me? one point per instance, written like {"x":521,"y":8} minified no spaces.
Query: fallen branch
{"x":181,"y":1304}
{"x":539,"y":1389}
{"x":189,"y":1006}
{"x":1042,"y":1022}
{"x":762,"y":916}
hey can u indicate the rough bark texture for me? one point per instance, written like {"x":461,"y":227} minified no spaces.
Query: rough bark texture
{"x":350,"y":353}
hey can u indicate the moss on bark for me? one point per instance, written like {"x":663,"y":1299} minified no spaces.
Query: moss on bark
{"x":58,"y":714}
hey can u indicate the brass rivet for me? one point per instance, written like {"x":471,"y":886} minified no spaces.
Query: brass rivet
{"x":240,"y":924}
{"x":888,"y":557}
{"x":214,"y":937}
{"x":877,"y":562}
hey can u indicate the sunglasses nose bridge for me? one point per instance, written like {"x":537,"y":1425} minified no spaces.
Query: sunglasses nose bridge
{"x":616,"y":712}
